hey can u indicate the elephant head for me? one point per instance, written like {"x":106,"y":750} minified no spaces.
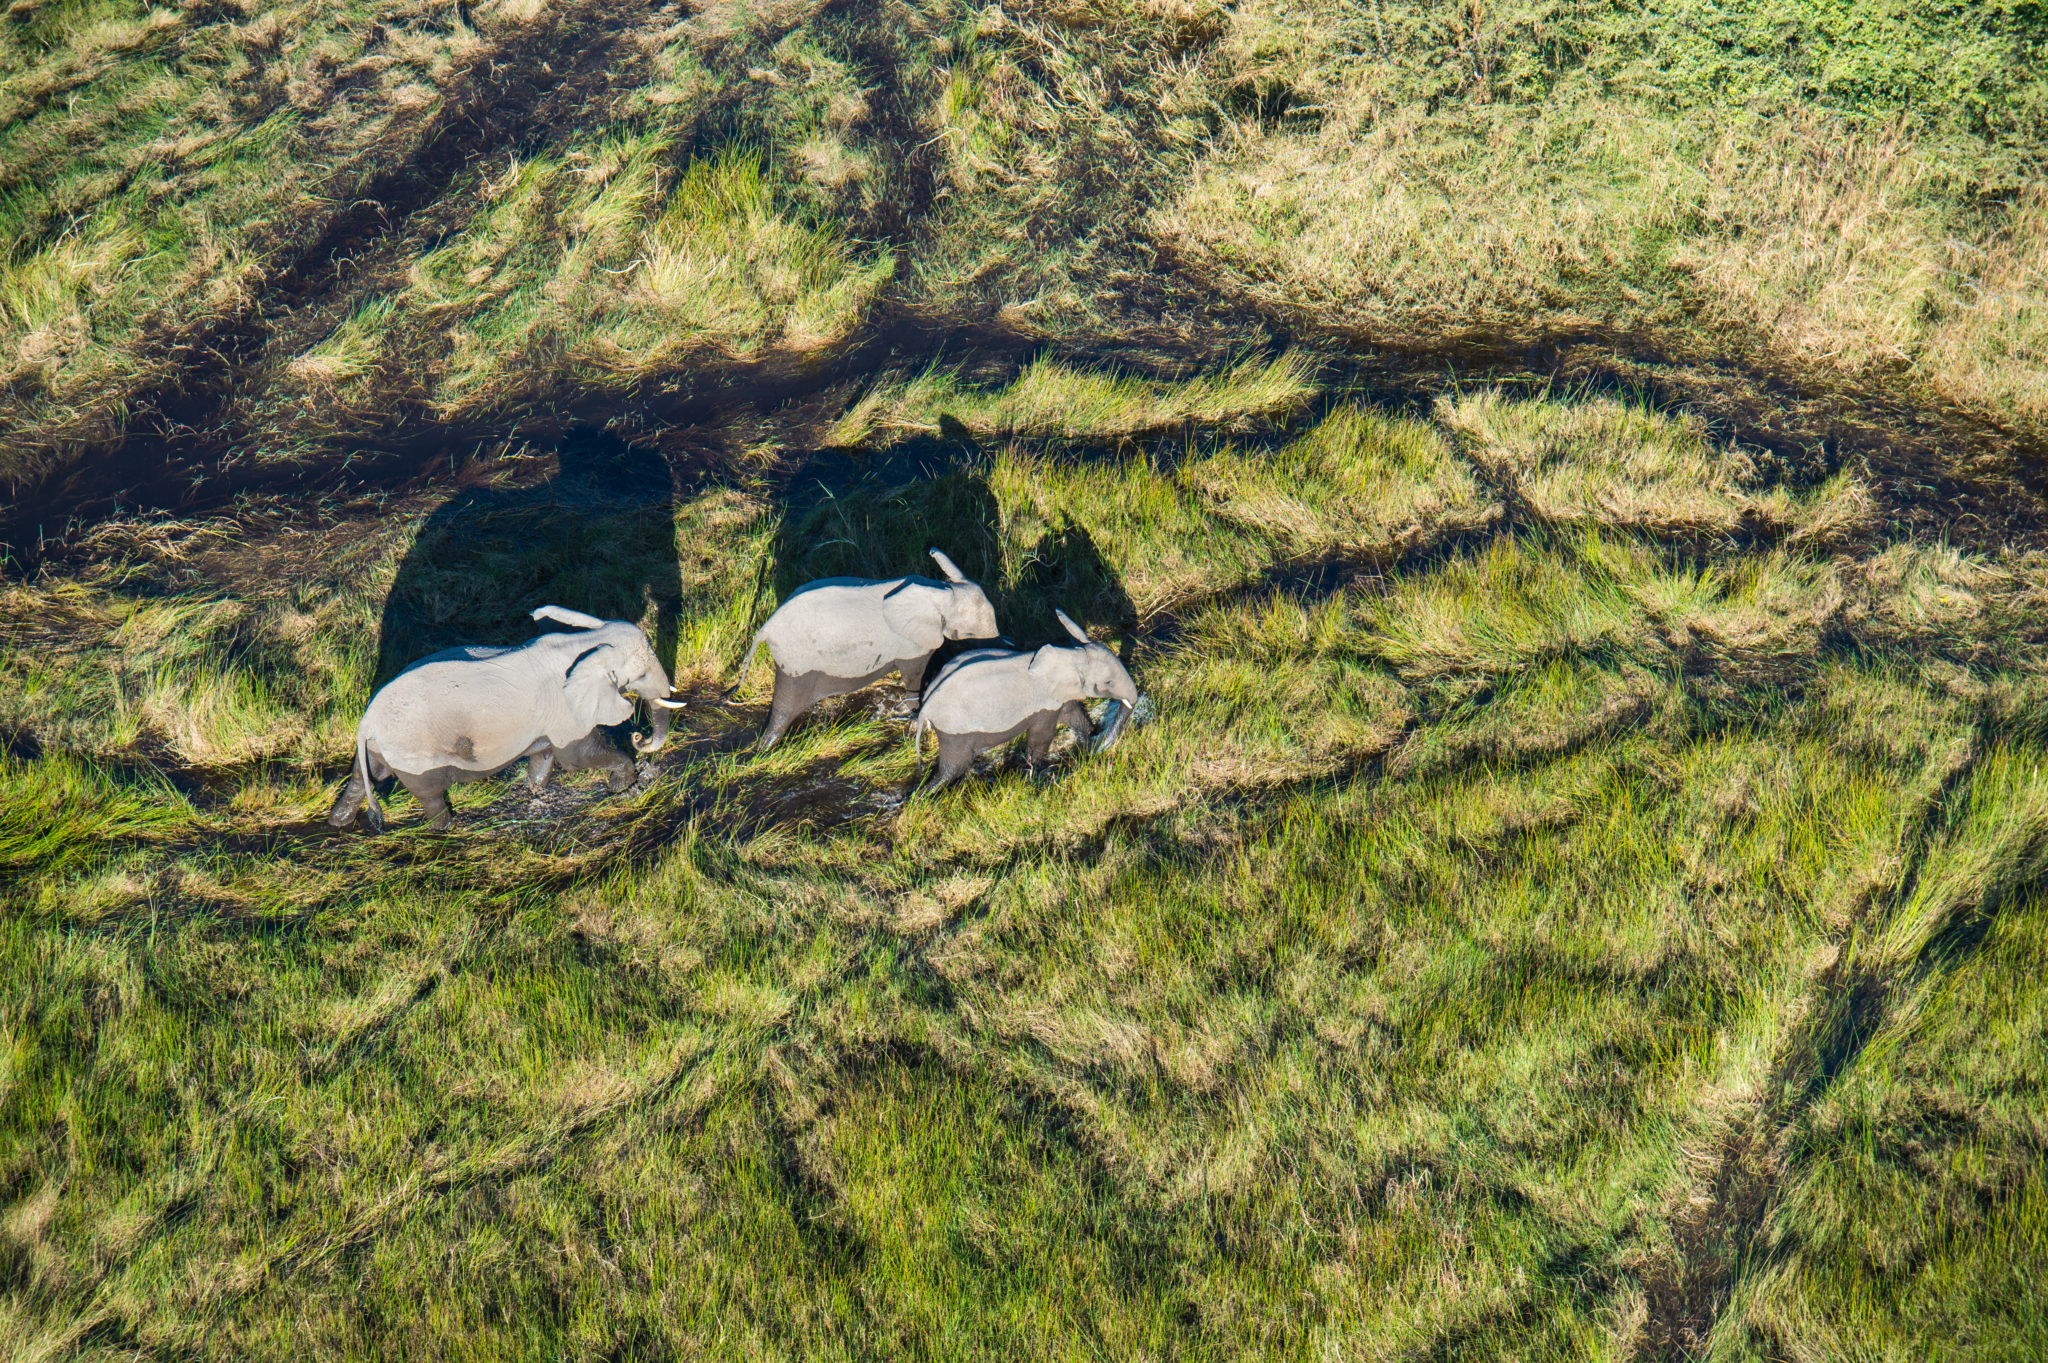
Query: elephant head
{"x":608,"y":661}
{"x":1088,"y":672}
{"x":964,"y":609}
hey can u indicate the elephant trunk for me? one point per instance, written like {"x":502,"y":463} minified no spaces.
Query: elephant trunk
{"x":1120,"y":708}
{"x":664,"y":713}
{"x":1112,"y":725}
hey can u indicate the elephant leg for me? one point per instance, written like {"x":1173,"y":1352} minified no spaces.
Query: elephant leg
{"x":538,"y":765}
{"x":956,"y":754}
{"x":913,"y":670}
{"x":348,"y":802}
{"x":431,"y":790}
{"x":1038,"y":735}
{"x":357,"y":794}
{"x":619,"y":771}
{"x":596,"y":752}
{"x":793,"y":696}
{"x":1075,"y":716}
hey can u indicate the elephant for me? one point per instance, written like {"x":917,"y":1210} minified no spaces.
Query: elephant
{"x":987,"y":696}
{"x":838,"y":634}
{"x":465,"y":714}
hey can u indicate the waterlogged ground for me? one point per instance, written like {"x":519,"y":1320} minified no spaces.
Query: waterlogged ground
{"x":1573,"y":897}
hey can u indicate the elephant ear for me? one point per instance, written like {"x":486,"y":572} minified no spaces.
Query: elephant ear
{"x":590,"y":689}
{"x":913,"y":612}
{"x":1057,"y":670}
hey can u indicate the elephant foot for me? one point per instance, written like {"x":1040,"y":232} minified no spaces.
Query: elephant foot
{"x":343,"y":811}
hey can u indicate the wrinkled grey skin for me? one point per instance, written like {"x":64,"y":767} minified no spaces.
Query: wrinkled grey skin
{"x":838,"y":634}
{"x":468,"y":713}
{"x":986,"y":697}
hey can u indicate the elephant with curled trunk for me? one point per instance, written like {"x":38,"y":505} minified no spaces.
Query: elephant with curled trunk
{"x":988,"y":696}
{"x":838,"y":634}
{"x":468,"y":713}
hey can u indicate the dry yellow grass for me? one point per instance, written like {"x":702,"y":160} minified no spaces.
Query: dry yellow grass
{"x":1604,"y":462}
{"x":1828,"y":249}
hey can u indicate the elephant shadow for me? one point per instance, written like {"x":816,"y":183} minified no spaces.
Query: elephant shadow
{"x":853,"y":518}
{"x":877,"y":519}
{"x":1065,"y":570}
{"x":597,"y":536}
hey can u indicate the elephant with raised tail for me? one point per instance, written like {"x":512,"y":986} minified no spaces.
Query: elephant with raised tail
{"x":988,"y":696}
{"x":465,"y":714}
{"x":837,"y":634}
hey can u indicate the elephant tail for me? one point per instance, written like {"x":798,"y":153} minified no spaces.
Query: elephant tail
{"x":746,"y":661}
{"x":361,"y":780}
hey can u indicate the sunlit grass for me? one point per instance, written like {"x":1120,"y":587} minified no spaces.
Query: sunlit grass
{"x":144,"y":201}
{"x":1406,"y":975}
{"x":1916,"y":1209}
{"x":1606,"y":463}
{"x":62,"y":812}
{"x":1559,"y":840}
{"x":1053,"y":402}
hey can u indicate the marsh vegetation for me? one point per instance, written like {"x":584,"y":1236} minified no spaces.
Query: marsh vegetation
{"x":1564,"y":479}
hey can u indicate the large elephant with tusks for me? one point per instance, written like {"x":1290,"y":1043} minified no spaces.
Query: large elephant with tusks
{"x":837,"y":634}
{"x":468,"y":713}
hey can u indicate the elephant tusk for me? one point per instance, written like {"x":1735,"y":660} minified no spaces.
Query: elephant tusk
{"x":666,"y":704}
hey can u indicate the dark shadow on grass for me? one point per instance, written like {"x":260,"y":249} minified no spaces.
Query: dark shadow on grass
{"x":847,"y":516}
{"x":598,"y":537}
{"x":1066,"y":571}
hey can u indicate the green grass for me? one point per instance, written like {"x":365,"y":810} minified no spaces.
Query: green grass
{"x":1755,"y":201}
{"x":1619,"y":466}
{"x":1806,"y":190}
{"x":1573,"y":893}
{"x":1053,"y":403}
{"x":161,"y":164}
{"x":1918,"y":1204}
{"x":1406,"y":983}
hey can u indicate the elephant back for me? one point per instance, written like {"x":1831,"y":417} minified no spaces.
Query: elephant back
{"x":984,"y":691}
{"x":851,"y":627}
{"x":476,"y":713}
